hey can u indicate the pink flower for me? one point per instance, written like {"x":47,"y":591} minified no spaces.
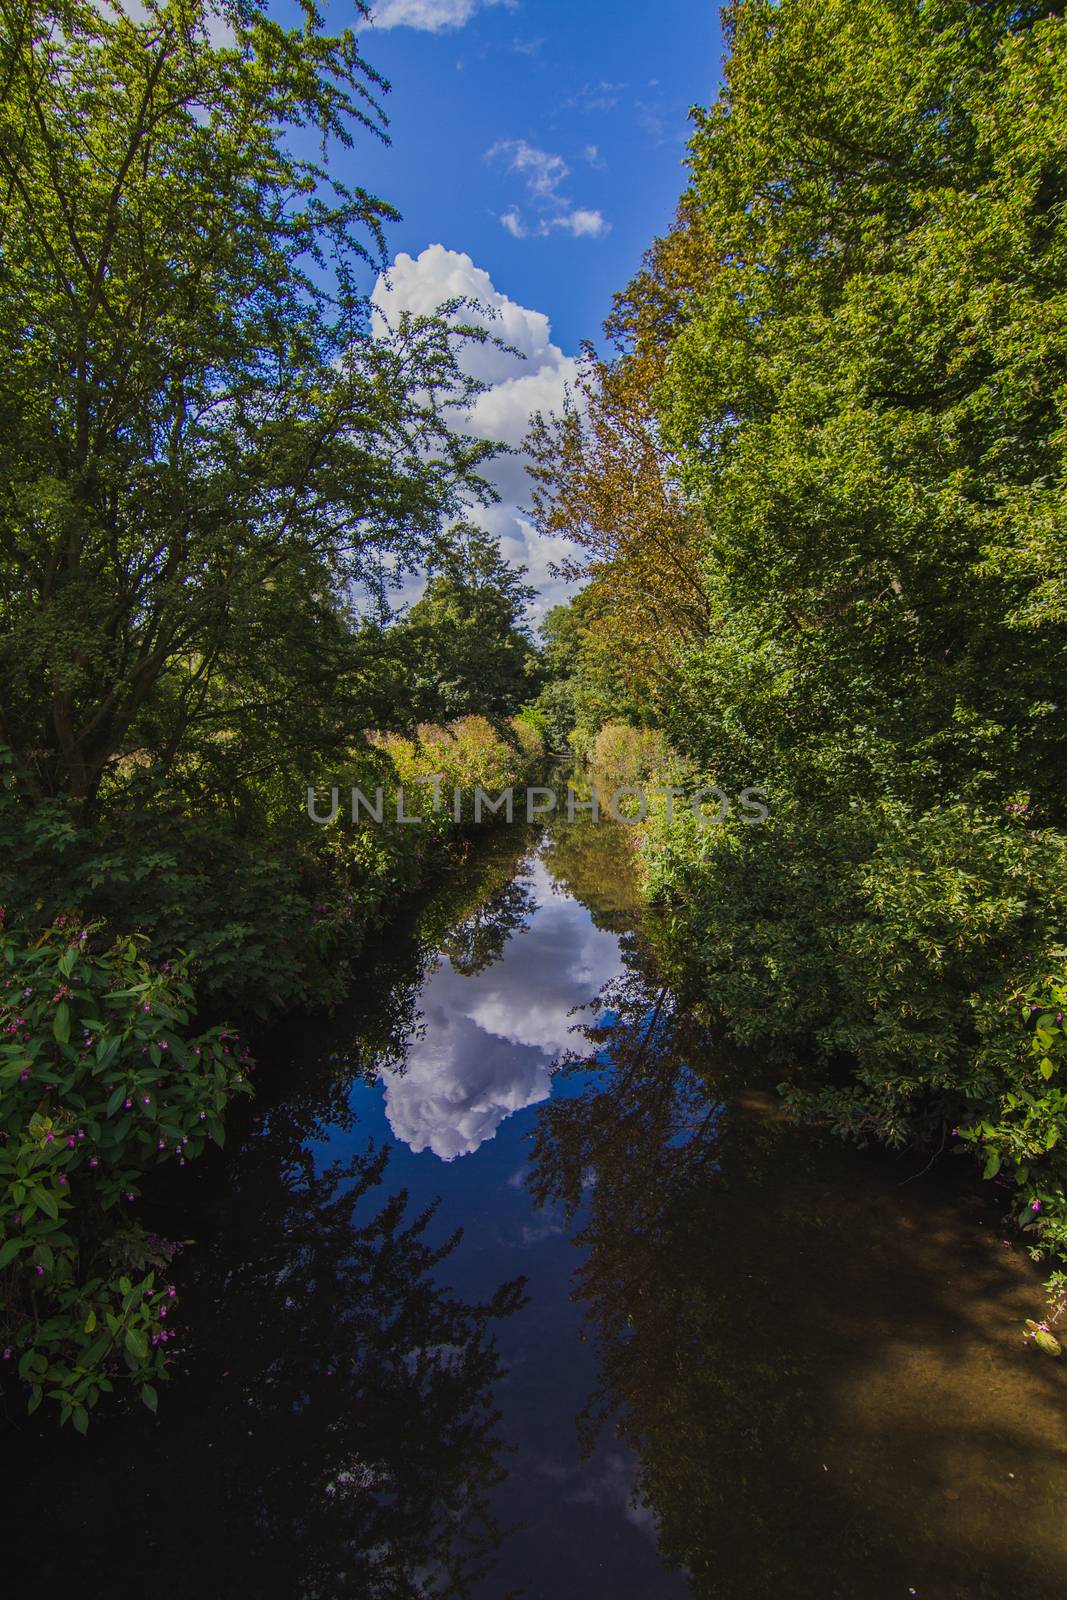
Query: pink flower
{"x":1035,"y":1205}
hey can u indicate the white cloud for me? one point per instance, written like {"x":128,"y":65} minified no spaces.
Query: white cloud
{"x":582,"y":224}
{"x":544,"y":172}
{"x":602,"y":96}
{"x":535,"y":379}
{"x":429,"y":16}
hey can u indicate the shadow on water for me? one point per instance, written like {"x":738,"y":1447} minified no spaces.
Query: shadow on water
{"x":462,"y":1320}
{"x":813,"y":1353}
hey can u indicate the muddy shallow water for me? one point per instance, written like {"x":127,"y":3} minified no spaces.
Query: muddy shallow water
{"x":513,"y":1283}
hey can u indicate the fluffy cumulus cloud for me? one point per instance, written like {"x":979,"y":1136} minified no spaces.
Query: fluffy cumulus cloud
{"x":429,"y":16}
{"x":543,"y":172}
{"x":533,"y":378}
{"x":488,"y":1041}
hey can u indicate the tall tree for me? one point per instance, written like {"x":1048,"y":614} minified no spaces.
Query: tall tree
{"x":866,"y":397}
{"x":468,"y":643}
{"x":202,"y":447}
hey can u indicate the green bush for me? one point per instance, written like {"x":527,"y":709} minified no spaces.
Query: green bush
{"x":884,"y":958}
{"x":623,"y":754}
{"x":100,"y":1080}
{"x":468,"y":754}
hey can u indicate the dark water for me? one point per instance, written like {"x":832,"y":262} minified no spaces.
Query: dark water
{"x":513,"y":1283}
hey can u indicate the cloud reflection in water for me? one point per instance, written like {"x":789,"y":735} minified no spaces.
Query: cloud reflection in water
{"x":488,"y":1040}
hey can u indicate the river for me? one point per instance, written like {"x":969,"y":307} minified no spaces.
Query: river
{"x":515,"y":1282}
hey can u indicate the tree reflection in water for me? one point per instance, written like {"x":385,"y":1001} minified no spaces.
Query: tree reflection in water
{"x":330,"y":1431}
{"x":811,"y":1350}
{"x":374,"y":1452}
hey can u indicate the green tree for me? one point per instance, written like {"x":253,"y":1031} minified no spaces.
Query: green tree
{"x":867,"y":399}
{"x":469,"y":647}
{"x":202,"y":446}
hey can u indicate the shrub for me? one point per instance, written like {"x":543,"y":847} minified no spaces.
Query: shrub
{"x":627,"y":755}
{"x":468,"y":754}
{"x":99,"y":1081}
{"x":883,"y":957}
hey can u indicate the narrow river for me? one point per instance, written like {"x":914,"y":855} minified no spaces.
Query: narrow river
{"x":513,"y":1284}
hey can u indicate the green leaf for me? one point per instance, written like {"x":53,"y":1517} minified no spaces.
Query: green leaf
{"x":8,"y":1251}
{"x":90,"y":1323}
{"x":149,"y":1396}
{"x":61,"y":1023}
{"x":136,"y":1344}
{"x":81,"y":1419}
{"x":45,"y":1200}
{"x":992,"y":1164}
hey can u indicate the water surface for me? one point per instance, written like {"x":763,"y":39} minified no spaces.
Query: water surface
{"x":514,"y":1282}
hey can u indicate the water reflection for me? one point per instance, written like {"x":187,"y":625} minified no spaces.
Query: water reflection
{"x":331,"y":1431}
{"x":494,"y":1014}
{"x":814,"y":1359}
{"x":799,"y":1375}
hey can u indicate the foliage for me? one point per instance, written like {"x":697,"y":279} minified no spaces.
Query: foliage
{"x":467,"y":644}
{"x":847,"y":362}
{"x":101,"y":1080}
{"x":203,"y":444}
{"x":621,"y":754}
{"x":466,"y":755}
{"x":602,"y":480}
{"x":587,"y":685}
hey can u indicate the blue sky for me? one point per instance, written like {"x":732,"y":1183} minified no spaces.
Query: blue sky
{"x":537,"y":149}
{"x":600,"y":89}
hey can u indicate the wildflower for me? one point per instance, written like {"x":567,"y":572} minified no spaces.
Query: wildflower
{"x":39,"y":1270}
{"x":129,"y":1195}
{"x":127,"y":1104}
{"x":62,"y":1178}
{"x":1035,"y":1205}
{"x":93,"y":1162}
